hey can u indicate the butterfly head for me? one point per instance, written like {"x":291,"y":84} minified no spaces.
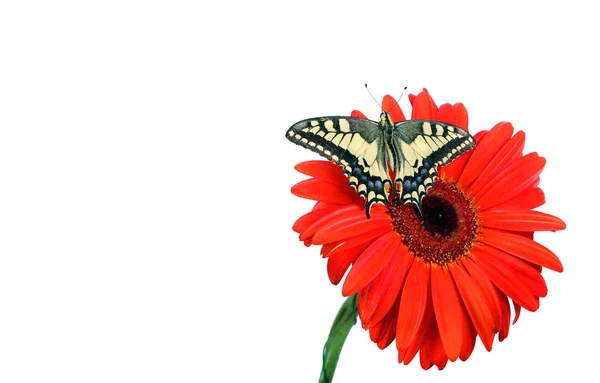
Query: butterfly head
{"x":385,"y":119}
{"x":386,"y":123}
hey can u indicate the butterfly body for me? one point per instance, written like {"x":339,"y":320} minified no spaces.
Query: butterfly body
{"x":377,"y":156}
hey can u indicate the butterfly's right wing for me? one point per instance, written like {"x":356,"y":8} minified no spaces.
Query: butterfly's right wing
{"x":417,"y":148}
{"x":354,"y":143}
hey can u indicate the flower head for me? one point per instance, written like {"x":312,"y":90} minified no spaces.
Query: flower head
{"x":434,"y":281}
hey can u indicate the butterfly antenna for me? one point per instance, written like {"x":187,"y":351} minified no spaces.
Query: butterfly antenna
{"x":401,"y":94}
{"x":374,"y":99}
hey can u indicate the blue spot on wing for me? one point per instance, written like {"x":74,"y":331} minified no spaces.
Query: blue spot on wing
{"x":378,"y":187}
{"x":409,"y":185}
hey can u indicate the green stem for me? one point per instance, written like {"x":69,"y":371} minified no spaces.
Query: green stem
{"x":343,"y":322}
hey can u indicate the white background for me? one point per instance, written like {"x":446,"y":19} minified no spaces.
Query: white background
{"x":145,"y":213}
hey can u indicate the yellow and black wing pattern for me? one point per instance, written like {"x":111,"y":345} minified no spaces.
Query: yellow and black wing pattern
{"x":367,"y":150}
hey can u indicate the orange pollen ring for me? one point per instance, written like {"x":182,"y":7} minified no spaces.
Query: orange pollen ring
{"x":447,"y":228}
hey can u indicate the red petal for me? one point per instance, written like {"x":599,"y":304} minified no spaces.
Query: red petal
{"x":329,"y":216}
{"x":505,"y":315}
{"x":517,"y":312}
{"x":476,"y":304}
{"x":311,"y":217}
{"x":342,"y":213}
{"x":349,"y":226}
{"x":409,"y":353}
{"x":403,"y":263}
{"x":521,"y":247}
{"x":413,"y":303}
{"x":371,"y":262}
{"x":520,"y":220}
{"x":340,"y":262}
{"x":462,"y":117}
{"x":528,"y":199}
{"x":355,"y":241}
{"x":411,"y":98}
{"x":324,"y":170}
{"x":488,"y":289}
{"x":432,"y":351}
{"x":469,"y":342}
{"x":509,"y":153}
{"x":384,"y":332}
{"x":391,"y":106}
{"x":447,"y":114}
{"x":485,"y":151}
{"x":503,"y":277}
{"x":525,"y":272}
{"x":423,"y":107}
{"x":375,"y":331}
{"x":377,"y":298}
{"x":320,"y":190}
{"x":358,"y":114}
{"x":437,"y":352}
{"x":520,"y":175}
{"x":327,"y":248}
{"x":425,"y":361}
{"x":454,"y":169}
{"x":449,"y":312}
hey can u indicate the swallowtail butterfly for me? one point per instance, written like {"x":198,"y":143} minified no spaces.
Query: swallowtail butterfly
{"x":368,"y":151}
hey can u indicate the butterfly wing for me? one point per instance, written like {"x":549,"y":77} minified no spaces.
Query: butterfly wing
{"x":417,"y":147}
{"x":354,"y":143}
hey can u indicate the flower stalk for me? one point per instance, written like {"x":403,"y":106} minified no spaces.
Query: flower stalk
{"x":344,"y":320}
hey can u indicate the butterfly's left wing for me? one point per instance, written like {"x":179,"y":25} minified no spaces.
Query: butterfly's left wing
{"x":356,"y":144}
{"x":417,"y":148}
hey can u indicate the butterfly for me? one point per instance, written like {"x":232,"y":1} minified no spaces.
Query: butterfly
{"x":369,"y":151}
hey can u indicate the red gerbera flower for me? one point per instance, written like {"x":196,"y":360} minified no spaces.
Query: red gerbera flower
{"x":436,"y":281}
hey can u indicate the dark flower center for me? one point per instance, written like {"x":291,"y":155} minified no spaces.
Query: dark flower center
{"x":439,"y":216}
{"x":445,"y":230}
